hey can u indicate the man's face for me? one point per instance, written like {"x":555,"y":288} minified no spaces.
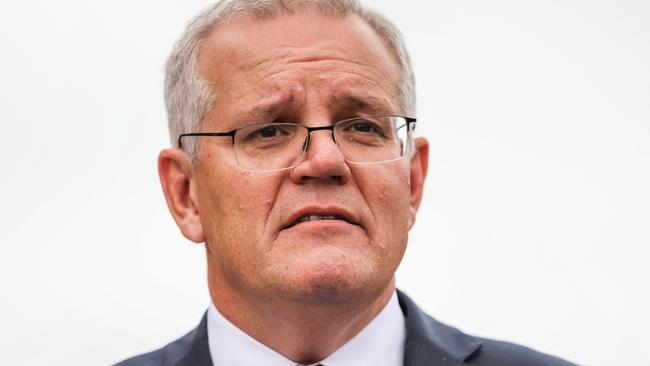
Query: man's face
{"x":315,"y":70}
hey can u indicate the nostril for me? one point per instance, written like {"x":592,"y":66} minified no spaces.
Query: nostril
{"x":338,"y":179}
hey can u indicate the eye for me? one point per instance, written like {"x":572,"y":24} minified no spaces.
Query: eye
{"x":269,"y":131}
{"x":265,"y":134}
{"x":364,"y":127}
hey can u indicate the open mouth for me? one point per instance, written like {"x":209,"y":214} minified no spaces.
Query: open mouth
{"x":317,"y":217}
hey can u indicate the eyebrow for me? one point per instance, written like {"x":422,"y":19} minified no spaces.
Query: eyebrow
{"x":368,"y":103}
{"x":272,"y":108}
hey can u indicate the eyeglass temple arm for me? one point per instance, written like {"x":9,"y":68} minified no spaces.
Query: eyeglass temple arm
{"x":410,"y":121}
{"x":229,"y":133}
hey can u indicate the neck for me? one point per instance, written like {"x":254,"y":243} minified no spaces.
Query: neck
{"x":301,"y":331}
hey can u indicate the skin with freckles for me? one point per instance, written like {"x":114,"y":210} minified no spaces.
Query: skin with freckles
{"x":302,"y":289}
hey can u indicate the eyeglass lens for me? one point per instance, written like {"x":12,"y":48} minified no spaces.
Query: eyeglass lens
{"x":281,"y":145}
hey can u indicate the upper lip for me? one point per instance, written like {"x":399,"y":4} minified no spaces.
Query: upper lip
{"x":337,"y":211}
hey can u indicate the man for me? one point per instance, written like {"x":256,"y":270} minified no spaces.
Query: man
{"x":295,"y":163}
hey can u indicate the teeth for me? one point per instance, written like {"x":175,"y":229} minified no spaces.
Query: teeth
{"x":316,"y":217}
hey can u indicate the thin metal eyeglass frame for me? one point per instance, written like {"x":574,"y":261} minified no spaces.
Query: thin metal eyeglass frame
{"x":409,"y":121}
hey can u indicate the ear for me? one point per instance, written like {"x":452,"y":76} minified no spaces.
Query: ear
{"x":419,"y":166}
{"x":176,"y":177}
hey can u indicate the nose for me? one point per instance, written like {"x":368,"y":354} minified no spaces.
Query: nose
{"x":322,"y":161}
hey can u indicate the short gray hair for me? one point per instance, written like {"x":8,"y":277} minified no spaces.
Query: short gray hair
{"x":189,"y":97}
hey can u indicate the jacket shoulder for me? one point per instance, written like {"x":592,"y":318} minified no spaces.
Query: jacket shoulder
{"x":147,"y":359}
{"x":430,"y":342}
{"x":495,"y":352}
{"x":191,"y":349}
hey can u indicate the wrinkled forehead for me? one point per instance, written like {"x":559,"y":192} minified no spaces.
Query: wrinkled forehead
{"x":251,"y":43}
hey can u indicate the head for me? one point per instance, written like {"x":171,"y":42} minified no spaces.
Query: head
{"x":308,"y":62}
{"x":189,"y":97}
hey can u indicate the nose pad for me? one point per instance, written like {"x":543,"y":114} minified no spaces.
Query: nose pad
{"x":305,"y":145}
{"x":326,"y":162}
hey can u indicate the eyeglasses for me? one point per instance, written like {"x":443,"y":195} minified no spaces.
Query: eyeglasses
{"x":279,"y":146}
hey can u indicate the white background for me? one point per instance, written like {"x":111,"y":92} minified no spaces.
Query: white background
{"x":535,"y":225}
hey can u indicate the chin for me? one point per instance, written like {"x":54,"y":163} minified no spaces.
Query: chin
{"x":333,"y":280}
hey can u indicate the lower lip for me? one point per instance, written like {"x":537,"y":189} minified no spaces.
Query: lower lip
{"x":329,"y":233}
{"x":321,"y":224}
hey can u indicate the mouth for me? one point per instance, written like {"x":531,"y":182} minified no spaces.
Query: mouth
{"x":306,"y":218}
{"x":320,"y":215}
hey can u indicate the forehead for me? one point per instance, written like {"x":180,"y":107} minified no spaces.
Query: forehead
{"x":278,"y":61}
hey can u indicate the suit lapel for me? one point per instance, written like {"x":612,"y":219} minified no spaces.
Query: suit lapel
{"x":431,"y":343}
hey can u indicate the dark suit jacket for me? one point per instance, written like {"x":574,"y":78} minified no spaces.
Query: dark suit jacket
{"x":428,"y":343}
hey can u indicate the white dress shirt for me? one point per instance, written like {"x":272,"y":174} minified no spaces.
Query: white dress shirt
{"x":380,"y":343}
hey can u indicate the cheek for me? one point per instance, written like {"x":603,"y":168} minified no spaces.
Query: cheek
{"x":235,"y":211}
{"x":386,"y":192}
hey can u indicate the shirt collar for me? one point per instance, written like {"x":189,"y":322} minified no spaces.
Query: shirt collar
{"x":380,"y":343}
